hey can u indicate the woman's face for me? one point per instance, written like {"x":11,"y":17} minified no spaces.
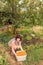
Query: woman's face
{"x":18,"y":39}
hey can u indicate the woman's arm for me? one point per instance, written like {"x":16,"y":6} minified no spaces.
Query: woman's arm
{"x":13,"y":48}
{"x":20,"y":46}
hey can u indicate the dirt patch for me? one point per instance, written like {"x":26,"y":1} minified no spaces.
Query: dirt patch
{"x":34,"y":41}
{"x":37,"y":28}
{"x":40,"y":62}
{"x":6,"y":28}
{"x":1,"y":48}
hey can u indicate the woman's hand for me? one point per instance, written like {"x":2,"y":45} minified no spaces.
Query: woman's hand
{"x":20,"y":47}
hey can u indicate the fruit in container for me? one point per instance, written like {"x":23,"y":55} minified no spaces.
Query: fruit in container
{"x":20,"y":53}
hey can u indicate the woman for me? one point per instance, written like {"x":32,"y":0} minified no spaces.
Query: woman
{"x":15,"y":44}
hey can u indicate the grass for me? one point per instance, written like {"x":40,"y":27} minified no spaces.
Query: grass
{"x":34,"y":52}
{"x":5,"y":37}
{"x":3,"y":60}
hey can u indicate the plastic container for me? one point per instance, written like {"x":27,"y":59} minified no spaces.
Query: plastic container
{"x":22,"y":57}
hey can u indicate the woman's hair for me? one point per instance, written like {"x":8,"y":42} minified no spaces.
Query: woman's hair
{"x":18,"y":36}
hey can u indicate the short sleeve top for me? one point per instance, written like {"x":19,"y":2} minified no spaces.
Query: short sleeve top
{"x":12,"y":40}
